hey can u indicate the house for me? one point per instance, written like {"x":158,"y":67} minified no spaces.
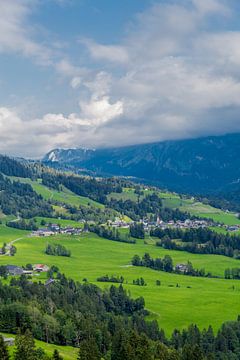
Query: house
{"x":49,"y":282}
{"x":233,"y":228}
{"x":181,"y":268}
{"x":40,"y":268}
{"x":9,"y":341}
{"x":14,"y":270}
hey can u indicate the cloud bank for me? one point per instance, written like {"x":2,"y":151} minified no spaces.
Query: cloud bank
{"x":175,"y":74}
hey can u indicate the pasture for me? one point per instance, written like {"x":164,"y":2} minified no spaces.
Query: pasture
{"x":68,"y":352}
{"x":63,"y":196}
{"x":179,"y":301}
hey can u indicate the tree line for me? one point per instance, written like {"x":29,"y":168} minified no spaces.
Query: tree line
{"x":110,"y":233}
{"x":166,"y":264}
{"x":20,"y":199}
{"x":199,"y":241}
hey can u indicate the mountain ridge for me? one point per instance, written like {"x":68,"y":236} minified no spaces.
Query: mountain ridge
{"x":204,"y":164}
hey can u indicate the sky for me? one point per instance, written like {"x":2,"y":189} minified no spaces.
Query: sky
{"x":105,"y":73}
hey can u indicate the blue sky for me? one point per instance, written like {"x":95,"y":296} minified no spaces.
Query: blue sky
{"x":100,"y":73}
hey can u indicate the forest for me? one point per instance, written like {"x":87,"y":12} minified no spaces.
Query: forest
{"x":102,"y":324}
{"x":199,"y":241}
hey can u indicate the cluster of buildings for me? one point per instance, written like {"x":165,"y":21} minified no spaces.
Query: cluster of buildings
{"x":54,"y":229}
{"x":187,"y":224}
{"x":232,"y":228}
{"x":15,"y":270}
{"x":148,"y":225}
{"x":119,"y":223}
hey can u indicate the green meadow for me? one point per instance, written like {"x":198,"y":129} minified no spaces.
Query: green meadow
{"x":64,"y":196}
{"x":200,"y":209}
{"x":179,"y":301}
{"x":185,"y":204}
{"x":9,"y":234}
{"x":67,"y":352}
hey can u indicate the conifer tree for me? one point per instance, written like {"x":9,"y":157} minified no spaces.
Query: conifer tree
{"x":56,"y":355}
{"x":89,"y":350}
{"x":25,"y":347}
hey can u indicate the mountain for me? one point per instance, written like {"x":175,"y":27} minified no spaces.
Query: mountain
{"x":200,"y":165}
{"x":69,"y":155}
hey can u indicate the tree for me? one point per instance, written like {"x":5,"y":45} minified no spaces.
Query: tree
{"x":192,"y":352}
{"x":136,"y":261}
{"x":3,"y":350}
{"x":167,"y":263}
{"x":25,"y":347}
{"x":89,"y":350}
{"x":56,"y":355}
{"x":137,"y":231}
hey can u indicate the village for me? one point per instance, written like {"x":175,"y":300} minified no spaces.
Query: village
{"x":54,"y":229}
{"x":148,"y":225}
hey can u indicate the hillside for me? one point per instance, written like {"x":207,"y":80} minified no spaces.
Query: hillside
{"x":197,"y":166}
{"x":100,"y":225}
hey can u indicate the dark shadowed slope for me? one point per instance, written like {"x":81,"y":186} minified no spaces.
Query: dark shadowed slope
{"x":196,"y":165}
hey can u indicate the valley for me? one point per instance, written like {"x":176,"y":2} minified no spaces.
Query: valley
{"x":174,"y":300}
{"x":201,"y":301}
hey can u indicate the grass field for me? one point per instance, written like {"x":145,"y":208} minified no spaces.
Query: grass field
{"x":62,"y":222}
{"x":190,"y":205}
{"x":9,"y":234}
{"x":129,"y":194}
{"x":68,"y":352}
{"x":64,"y":196}
{"x":199,"y":209}
{"x":199,"y":300}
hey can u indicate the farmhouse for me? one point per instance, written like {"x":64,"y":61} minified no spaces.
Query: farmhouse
{"x":14,"y":270}
{"x":40,"y":268}
{"x":181,"y":267}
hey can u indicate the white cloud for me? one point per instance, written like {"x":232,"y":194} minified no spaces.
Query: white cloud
{"x":180,"y":75}
{"x":76,"y":82}
{"x":16,"y":35}
{"x":211,"y":6}
{"x":173,"y":76}
{"x":112,"y":53}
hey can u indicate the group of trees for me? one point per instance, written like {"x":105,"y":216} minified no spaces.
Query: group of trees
{"x":20,"y":199}
{"x":140,"y":282}
{"x":84,"y":186}
{"x":166,"y":264}
{"x":11,"y":249}
{"x":57,"y":250}
{"x":112,"y":278}
{"x":232,"y":273}
{"x":137,"y":230}
{"x":200,"y":241}
{"x":12,"y":167}
{"x":150,"y":204}
{"x":23,"y":224}
{"x":110,"y":233}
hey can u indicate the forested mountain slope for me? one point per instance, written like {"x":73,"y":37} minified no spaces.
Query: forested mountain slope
{"x":198,"y":165}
